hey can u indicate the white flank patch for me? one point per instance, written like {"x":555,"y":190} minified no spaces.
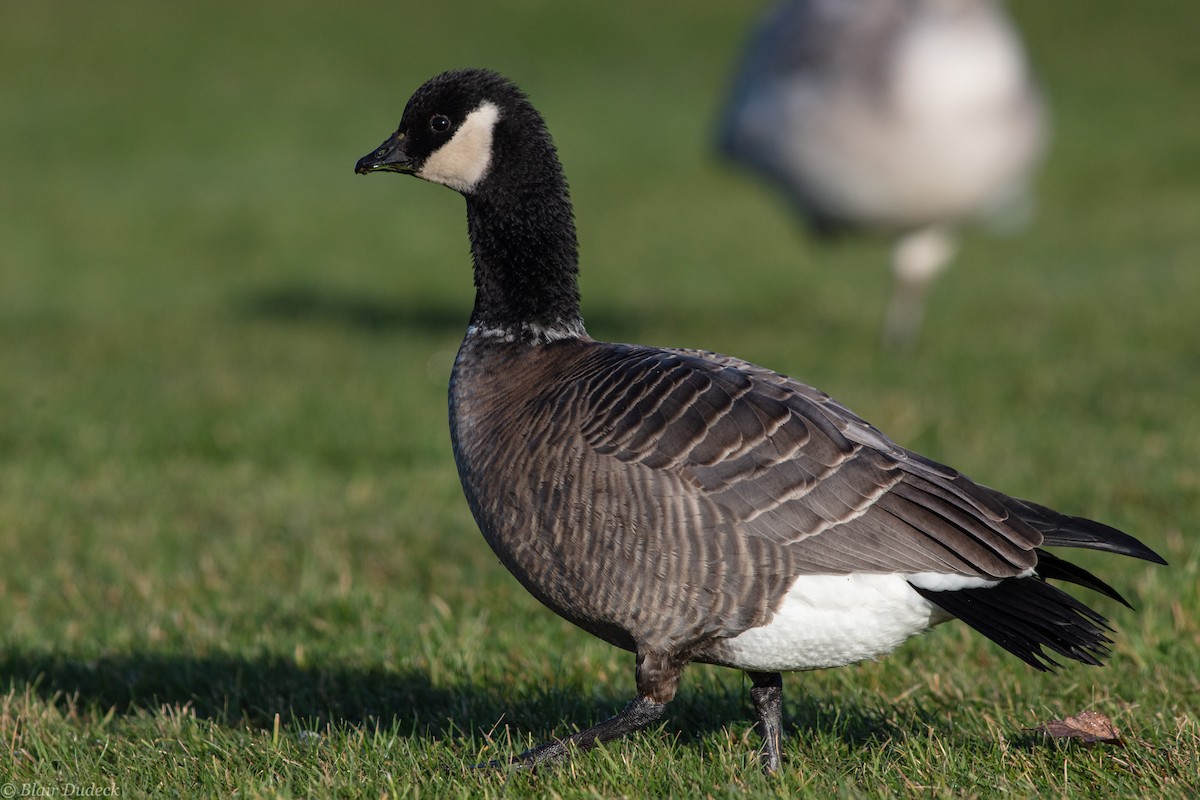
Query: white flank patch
{"x":946,"y":582}
{"x":462,"y":162}
{"x":834,"y":620}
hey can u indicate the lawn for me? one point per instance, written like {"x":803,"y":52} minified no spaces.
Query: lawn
{"x":234,"y":556}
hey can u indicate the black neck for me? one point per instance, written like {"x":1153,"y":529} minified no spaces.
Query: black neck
{"x":523,"y":243}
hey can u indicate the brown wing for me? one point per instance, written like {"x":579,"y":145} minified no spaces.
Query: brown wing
{"x":784,"y":462}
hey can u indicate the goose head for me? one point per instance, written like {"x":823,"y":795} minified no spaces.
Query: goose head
{"x":477,"y":133}
{"x":456,"y":128}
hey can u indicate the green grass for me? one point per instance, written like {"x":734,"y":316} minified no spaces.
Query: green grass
{"x":233,"y":551}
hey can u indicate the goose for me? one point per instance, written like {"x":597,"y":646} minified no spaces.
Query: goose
{"x":690,"y":506}
{"x":901,"y":117}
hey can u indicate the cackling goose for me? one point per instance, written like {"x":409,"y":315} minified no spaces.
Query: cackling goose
{"x":689,"y":506}
{"x":901,"y":116}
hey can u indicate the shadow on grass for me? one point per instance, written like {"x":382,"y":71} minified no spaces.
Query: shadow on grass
{"x":250,"y":692}
{"x":245,"y":692}
{"x":301,"y":304}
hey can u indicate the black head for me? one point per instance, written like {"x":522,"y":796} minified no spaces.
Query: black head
{"x":476,"y":132}
{"x":452,"y":128}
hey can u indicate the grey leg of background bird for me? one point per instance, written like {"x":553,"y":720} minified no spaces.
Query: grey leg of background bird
{"x":642,"y":711}
{"x":916,"y":259}
{"x":906,"y":309}
{"x":767,"y":696}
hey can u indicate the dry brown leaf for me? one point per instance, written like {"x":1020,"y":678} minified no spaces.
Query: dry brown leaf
{"x":1088,"y":727}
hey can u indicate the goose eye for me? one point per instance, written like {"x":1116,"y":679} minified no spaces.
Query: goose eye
{"x":439,"y":123}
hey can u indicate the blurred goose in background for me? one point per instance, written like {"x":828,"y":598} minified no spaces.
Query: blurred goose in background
{"x":689,"y":506}
{"x":907,"y":117}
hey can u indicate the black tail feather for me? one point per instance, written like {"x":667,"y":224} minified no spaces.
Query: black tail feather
{"x":1051,"y":567}
{"x":1061,"y":530}
{"x":1023,"y":615}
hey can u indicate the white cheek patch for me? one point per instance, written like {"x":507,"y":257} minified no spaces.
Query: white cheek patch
{"x":462,"y":162}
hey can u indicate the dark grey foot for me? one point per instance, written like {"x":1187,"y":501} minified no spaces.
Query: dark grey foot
{"x":640,"y":712}
{"x":767,"y":696}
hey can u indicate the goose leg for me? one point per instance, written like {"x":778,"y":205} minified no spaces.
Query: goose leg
{"x":767,"y":696}
{"x":640,"y":712}
{"x":657,"y":679}
{"x":916,"y":259}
